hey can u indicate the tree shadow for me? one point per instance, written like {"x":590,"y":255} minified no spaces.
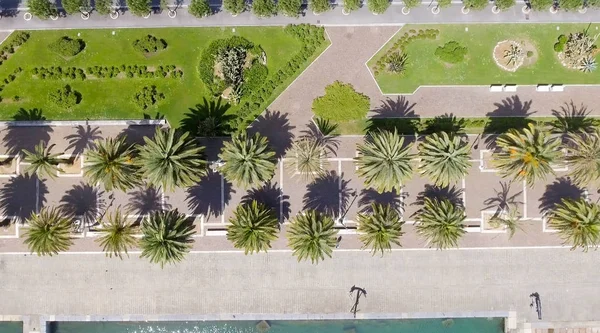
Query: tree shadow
{"x":571,"y":119}
{"x":324,"y":132}
{"x":325,"y":192}
{"x":272,"y":197}
{"x":83,"y":139}
{"x":134,"y":134}
{"x":145,"y":201}
{"x":395,"y":115}
{"x":370,"y":196}
{"x":445,"y":123}
{"x":34,"y":114}
{"x":503,"y":199}
{"x":561,"y":188}
{"x":208,"y":119}
{"x":17,"y":138}
{"x":510,"y":113}
{"x":18,"y":196}
{"x":157,"y":116}
{"x":205,"y":197}
{"x":81,"y":201}
{"x":275,"y":126}
{"x":450,"y":193}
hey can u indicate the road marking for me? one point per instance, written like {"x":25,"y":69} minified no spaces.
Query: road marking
{"x":524,"y":200}
{"x":222,"y":199}
{"x":281,"y":195}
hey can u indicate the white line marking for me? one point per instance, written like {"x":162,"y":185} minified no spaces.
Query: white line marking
{"x":524,"y":200}
{"x":340,"y":196}
{"x":222,"y":199}
{"x":281,"y":217}
{"x":464,"y":193}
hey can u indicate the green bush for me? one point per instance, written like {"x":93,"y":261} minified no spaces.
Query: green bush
{"x":529,"y":54}
{"x":560,"y":45}
{"x":209,"y":56}
{"x":103,"y":7}
{"x":264,"y":8}
{"x":396,"y":62}
{"x":378,"y":6}
{"x":64,"y":97}
{"x":569,"y":5}
{"x":149,"y":44}
{"x":451,"y":52}
{"x":351,"y":5}
{"x":72,"y":6}
{"x":234,"y":7}
{"x":290,"y":8}
{"x":139,"y":7}
{"x":504,"y":4}
{"x":341,"y":103}
{"x":320,"y":6}
{"x":541,"y":4}
{"x":67,"y":47}
{"x":254,"y":77}
{"x":199,"y":8}
{"x":444,"y":3}
{"x":42,"y":9}
{"x":475,"y":4}
{"x":411,"y":3}
{"x":147,"y":97}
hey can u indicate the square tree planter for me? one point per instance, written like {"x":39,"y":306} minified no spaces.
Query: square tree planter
{"x":72,"y":168}
{"x":9,"y":166}
{"x":491,"y":227}
{"x":8,"y":227}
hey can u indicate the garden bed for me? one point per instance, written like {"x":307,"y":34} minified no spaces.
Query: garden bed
{"x":479,"y":67}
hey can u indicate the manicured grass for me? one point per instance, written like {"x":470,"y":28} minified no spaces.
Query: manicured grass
{"x":111,"y":98}
{"x":424,"y":68}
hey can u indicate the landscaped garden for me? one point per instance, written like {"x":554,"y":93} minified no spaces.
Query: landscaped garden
{"x":486,"y":54}
{"x":129,"y":73}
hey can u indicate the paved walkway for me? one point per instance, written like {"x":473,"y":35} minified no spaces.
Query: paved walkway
{"x":221,"y":284}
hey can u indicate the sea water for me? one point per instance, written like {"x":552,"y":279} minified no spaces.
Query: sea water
{"x":457,"y":325}
{"x":11,"y":327}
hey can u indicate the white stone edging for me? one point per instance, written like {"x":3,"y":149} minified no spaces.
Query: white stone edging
{"x":70,"y":123}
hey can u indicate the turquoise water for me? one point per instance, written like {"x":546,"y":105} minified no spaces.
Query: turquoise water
{"x":11,"y":327}
{"x":461,"y":325}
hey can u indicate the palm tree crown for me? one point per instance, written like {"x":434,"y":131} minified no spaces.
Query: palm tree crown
{"x":440,"y":222}
{"x":380,"y":228}
{"x":583,"y":157}
{"x":444,"y":158}
{"x":312,"y":236}
{"x":252,"y":227}
{"x":49,"y":232}
{"x":248,"y":161}
{"x":117,"y":235}
{"x":111,"y":164}
{"x":526,"y":154}
{"x":41,"y":161}
{"x":306,"y":158}
{"x":384,"y":161}
{"x":170,"y":160}
{"x":167,"y":237}
{"x":577,"y":222}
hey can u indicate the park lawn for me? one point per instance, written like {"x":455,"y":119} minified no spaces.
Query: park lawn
{"x":424,"y":68}
{"x":112,"y":98}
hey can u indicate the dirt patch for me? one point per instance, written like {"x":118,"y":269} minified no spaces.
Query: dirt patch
{"x":525,"y":54}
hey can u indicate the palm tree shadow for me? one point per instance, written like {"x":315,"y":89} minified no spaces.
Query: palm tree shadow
{"x":450,"y":193}
{"x":81,"y":201}
{"x":398,"y":115}
{"x":134,"y":134}
{"x":208,"y":119}
{"x":399,"y":108}
{"x":561,"y":188}
{"x":503,"y":200}
{"x":370,"y":196}
{"x":272,"y":197}
{"x":510,"y":113}
{"x":17,"y":196}
{"x":83,"y":139}
{"x":445,"y":123}
{"x":275,"y":126}
{"x":145,"y":201}
{"x":34,"y":114}
{"x":571,"y":119}
{"x":17,"y":138}
{"x":205,"y":198}
{"x":324,"y":132}
{"x":327,"y":194}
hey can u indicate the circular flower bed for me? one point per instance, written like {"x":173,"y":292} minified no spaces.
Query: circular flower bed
{"x":511,"y":55}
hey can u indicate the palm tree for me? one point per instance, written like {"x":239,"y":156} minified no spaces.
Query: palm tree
{"x":41,"y":161}
{"x":167,"y":237}
{"x":247,"y":161}
{"x":384,"y":161}
{"x":440,"y":222}
{"x":117,"y":235}
{"x":306,"y":158}
{"x":380,"y":228}
{"x":49,"y":232}
{"x":583,"y":157}
{"x":111,"y":164}
{"x":577,"y":222}
{"x":252,"y":227}
{"x":170,"y":160}
{"x":312,"y":236}
{"x":526,"y":154}
{"x":444,"y":158}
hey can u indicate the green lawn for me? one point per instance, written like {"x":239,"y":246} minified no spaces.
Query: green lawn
{"x":111,"y":98}
{"x":424,"y":68}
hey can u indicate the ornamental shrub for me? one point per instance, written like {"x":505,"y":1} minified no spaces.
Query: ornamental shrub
{"x":199,"y":8}
{"x":341,"y":103}
{"x":540,"y":4}
{"x":264,"y":8}
{"x":569,"y":5}
{"x":149,"y":44}
{"x":451,"y":52}
{"x":504,"y":4}
{"x":64,"y":97}
{"x":475,"y":4}
{"x":351,"y":5}
{"x":411,"y":3}
{"x":209,"y":56}
{"x":290,"y":8}
{"x":42,"y":9}
{"x":234,"y":7}
{"x":67,"y":47}
{"x":378,"y":6}
{"x":254,"y":77}
{"x":103,"y":7}
{"x":72,"y":6}
{"x":139,"y":7}
{"x":444,"y":3}
{"x":320,"y":6}
{"x":147,"y":97}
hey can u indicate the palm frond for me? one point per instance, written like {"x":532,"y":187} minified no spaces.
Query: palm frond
{"x":247,"y":161}
{"x":42,"y":162}
{"x":49,"y":232}
{"x":111,"y":164}
{"x":312,"y":236}
{"x":583,"y":157}
{"x":440,"y":223}
{"x":577,"y":222}
{"x":253,"y":227}
{"x":167,"y":237}
{"x":380,"y":228}
{"x":306,"y":158}
{"x":117,"y":235}
{"x":444,"y":158}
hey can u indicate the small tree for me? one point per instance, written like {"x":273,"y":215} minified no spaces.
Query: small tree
{"x":378,"y":6}
{"x":290,"y":8}
{"x":351,"y":5}
{"x":103,"y":7}
{"x":504,"y":4}
{"x":72,"y":6}
{"x":411,"y":3}
{"x":264,"y":8}
{"x":199,"y":8}
{"x":139,"y":7}
{"x":320,"y":6}
{"x":541,"y":4}
{"x":42,"y":9}
{"x":570,"y":4}
{"x":235,"y":7}
{"x":475,"y":4}
{"x":444,"y":3}
{"x":341,"y":103}
{"x":64,"y":97}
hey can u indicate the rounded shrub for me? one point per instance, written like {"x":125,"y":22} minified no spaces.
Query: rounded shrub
{"x":341,"y":103}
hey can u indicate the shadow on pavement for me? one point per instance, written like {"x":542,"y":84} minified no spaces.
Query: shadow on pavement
{"x":144,"y":201}
{"x":205,"y":197}
{"x":450,"y":193}
{"x":561,"y":188}
{"x":209,"y":119}
{"x":275,"y":126}
{"x":81,"y":200}
{"x":83,"y":139}
{"x":510,"y":113}
{"x":324,"y":193}
{"x":370,"y":196}
{"x":271,"y":196}
{"x":17,"y":197}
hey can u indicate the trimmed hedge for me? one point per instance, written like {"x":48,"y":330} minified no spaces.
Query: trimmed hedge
{"x":341,"y":103}
{"x":105,"y":72}
{"x":401,"y":43}
{"x":147,"y":97}
{"x":64,"y":97}
{"x":149,"y":44}
{"x":67,"y":47}
{"x":12,"y":44}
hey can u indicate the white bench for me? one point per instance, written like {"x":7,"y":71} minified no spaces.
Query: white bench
{"x":557,"y":87}
{"x":216,"y":232}
{"x":542,"y":88}
{"x":510,"y":87}
{"x":496,"y":88}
